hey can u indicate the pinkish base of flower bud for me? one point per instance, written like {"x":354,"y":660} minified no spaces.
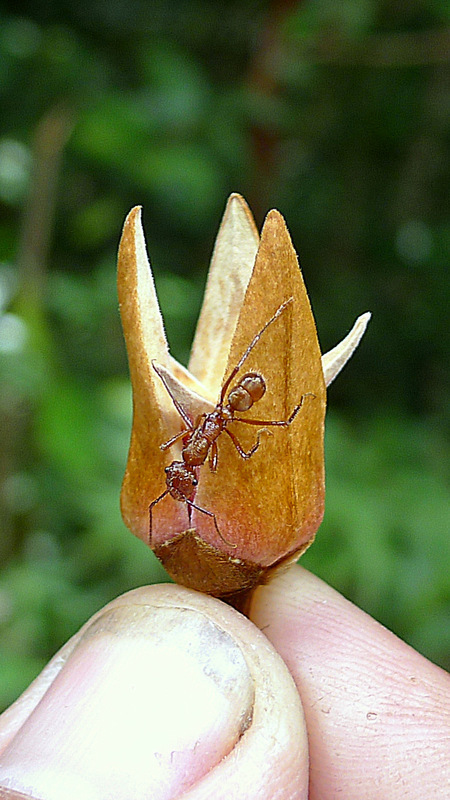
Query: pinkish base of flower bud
{"x":198,"y":565}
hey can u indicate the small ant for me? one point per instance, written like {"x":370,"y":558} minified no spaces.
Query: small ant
{"x":200,"y":439}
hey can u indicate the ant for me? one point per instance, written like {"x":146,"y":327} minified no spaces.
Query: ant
{"x":200,"y":439}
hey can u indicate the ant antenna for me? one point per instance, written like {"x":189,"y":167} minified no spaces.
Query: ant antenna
{"x":252,"y":344}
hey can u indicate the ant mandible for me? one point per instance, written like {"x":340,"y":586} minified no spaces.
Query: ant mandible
{"x":200,"y":438}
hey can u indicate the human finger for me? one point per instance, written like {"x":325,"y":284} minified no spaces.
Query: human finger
{"x":377,"y":712}
{"x":165,"y":691}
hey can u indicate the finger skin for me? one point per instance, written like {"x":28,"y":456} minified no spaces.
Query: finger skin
{"x":165,"y":692}
{"x":377,"y":712}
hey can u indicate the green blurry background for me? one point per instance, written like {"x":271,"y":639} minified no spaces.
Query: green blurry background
{"x":336,"y":114}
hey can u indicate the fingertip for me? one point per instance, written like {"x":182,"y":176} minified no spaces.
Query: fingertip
{"x":166,"y":692}
{"x":373,"y":705}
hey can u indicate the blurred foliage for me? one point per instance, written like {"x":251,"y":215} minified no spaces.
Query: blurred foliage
{"x":335,"y":113}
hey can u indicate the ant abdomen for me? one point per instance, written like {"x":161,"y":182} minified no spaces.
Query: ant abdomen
{"x":250,"y":389}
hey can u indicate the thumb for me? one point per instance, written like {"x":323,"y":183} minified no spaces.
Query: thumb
{"x":165,"y":691}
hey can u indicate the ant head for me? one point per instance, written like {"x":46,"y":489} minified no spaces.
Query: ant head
{"x":249,"y":389}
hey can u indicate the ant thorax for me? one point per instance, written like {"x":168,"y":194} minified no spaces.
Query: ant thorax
{"x":196,"y":448}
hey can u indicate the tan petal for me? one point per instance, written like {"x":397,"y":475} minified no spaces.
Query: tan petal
{"x":192,"y":403}
{"x":189,"y":381}
{"x":272,"y":503}
{"x":154,"y":418}
{"x":336,"y":359}
{"x":231,"y":267}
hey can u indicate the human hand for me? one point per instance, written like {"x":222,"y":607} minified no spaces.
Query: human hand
{"x":169,"y":693}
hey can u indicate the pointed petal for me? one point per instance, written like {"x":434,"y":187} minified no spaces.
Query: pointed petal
{"x":190,"y":381}
{"x":336,"y":359}
{"x":139,"y":309}
{"x":192,"y":404}
{"x":152,"y":409}
{"x":231,"y":266}
{"x":272,"y":503}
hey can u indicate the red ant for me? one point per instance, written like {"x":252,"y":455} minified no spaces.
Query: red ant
{"x":200,"y":439}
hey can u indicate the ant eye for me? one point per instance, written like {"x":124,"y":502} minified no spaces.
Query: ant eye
{"x":194,"y":482}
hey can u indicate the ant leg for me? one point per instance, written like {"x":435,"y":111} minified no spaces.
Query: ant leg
{"x":283,"y":423}
{"x":209,"y":514}
{"x":174,"y":439}
{"x":254,"y":341}
{"x":159,"y":369}
{"x":213,"y":456}
{"x":150,"y":515}
{"x":240,"y":449}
